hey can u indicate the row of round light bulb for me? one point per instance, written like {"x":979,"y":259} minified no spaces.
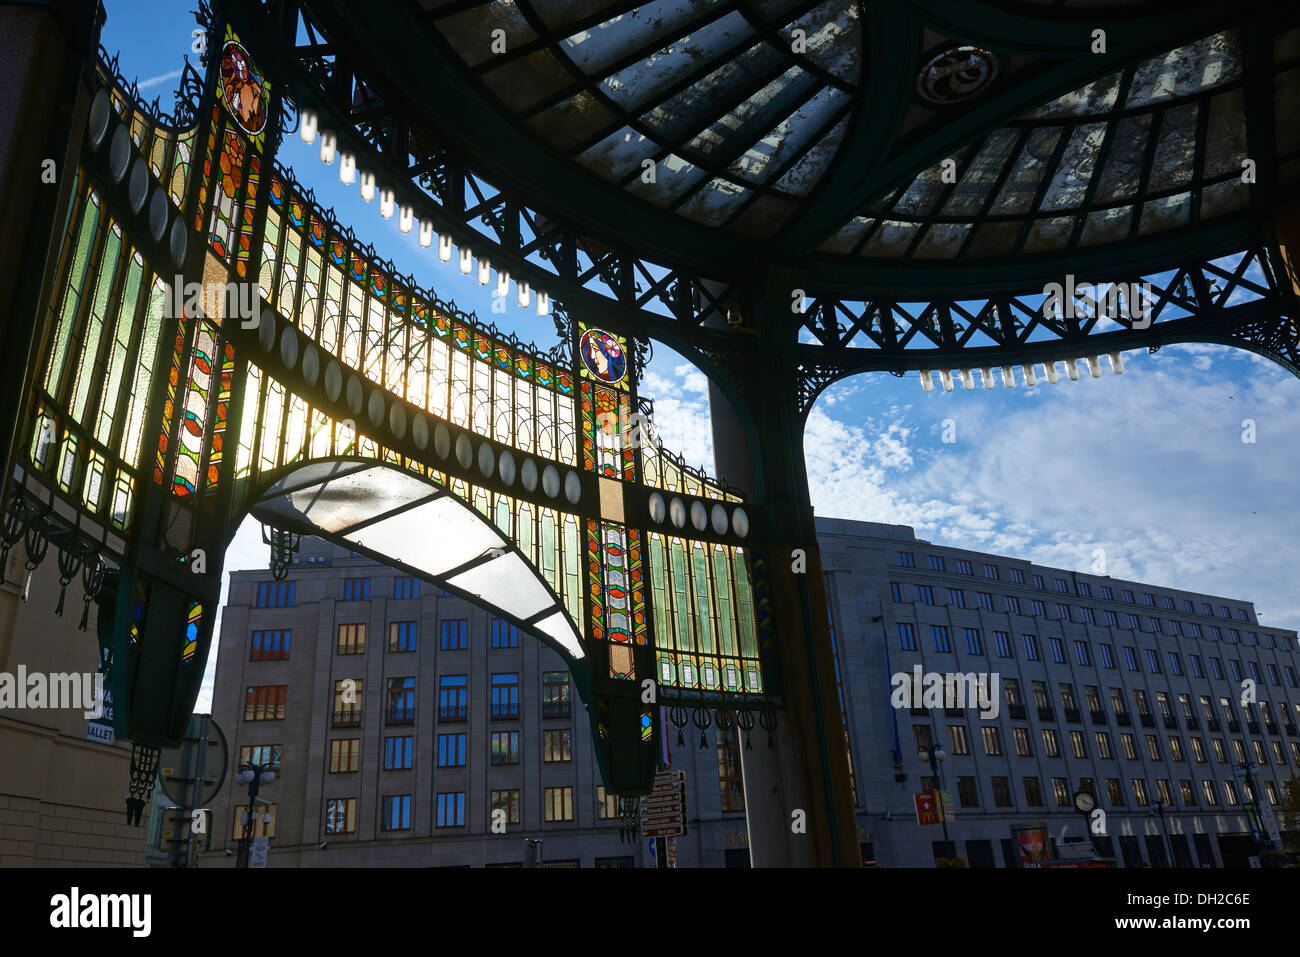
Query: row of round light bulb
{"x":348,"y":174}
{"x":967,"y":376}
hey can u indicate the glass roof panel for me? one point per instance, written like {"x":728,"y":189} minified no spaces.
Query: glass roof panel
{"x":572,"y":121}
{"x":1202,"y":65}
{"x":470,"y":31}
{"x":435,"y":537}
{"x":340,"y":503}
{"x":508,"y":583}
{"x":1166,"y":213}
{"x":1077,"y":165}
{"x":560,"y":628}
{"x":1175,"y":148}
{"x":1096,"y":97}
{"x":979,"y":178}
{"x":805,"y":174}
{"x":523,"y":81}
{"x":744,"y":124}
{"x":630,"y":33}
{"x":687,"y":111}
{"x":833,"y":38}
{"x":788,"y":137}
{"x":715,"y":203}
{"x":1225,"y":138}
{"x":618,"y":154}
{"x":674,"y":176}
{"x":1119,"y":179}
{"x":662,"y":69}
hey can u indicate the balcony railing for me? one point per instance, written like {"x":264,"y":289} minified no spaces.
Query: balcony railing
{"x":1270,"y":728}
{"x":1148,"y":720}
{"x":1234,"y":725}
{"x":1212,"y":724}
{"x":1046,"y":714}
{"x":1171,"y":722}
{"x":399,"y":715}
{"x":1290,"y":729}
{"x":1252,"y":727}
{"x":505,"y":712}
{"x":453,"y":712}
{"x":1017,"y":712}
{"x":1123,"y":720}
{"x":1098,"y":717}
{"x":350,"y":718}
{"x":1073,"y":715}
{"x":1192,"y":723}
{"x":556,"y":709}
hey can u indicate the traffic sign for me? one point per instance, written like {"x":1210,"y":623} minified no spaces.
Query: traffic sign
{"x":663,"y":812}
{"x":202,"y":758}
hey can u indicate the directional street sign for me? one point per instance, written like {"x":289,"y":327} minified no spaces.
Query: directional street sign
{"x":663,"y":812}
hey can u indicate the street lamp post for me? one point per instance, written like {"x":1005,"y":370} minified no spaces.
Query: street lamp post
{"x":1164,"y":833}
{"x":254,"y":775}
{"x":934,"y":756}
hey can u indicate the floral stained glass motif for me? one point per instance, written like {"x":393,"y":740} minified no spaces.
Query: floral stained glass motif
{"x":169,"y":404}
{"x":194,"y":412}
{"x":243,"y":89}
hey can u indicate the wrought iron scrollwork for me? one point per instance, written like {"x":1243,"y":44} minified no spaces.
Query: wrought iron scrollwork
{"x":629,"y":819}
{"x":745,"y":721}
{"x":284,"y":545}
{"x":70,"y":560}
{"x":702,"y":718}
{"x":37,"y":543}
{"x":92,"y":580}
{"x":15,"y":527}
{"x":144,"y":767}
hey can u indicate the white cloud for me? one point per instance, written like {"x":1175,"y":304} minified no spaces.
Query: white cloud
{"x":143,"y":85}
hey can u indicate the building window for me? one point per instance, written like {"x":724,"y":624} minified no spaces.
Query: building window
{"x":1103,"y":745}
{"x":455,"y":634}
{"x":401,"y":701}
{"x":276,"y":594}
{"x":265,"y":702}
{"x":557,"y":804}
{"x":1061,"y":792}
{"x":270,"y":645}
{"x":1129,"y":744}
{"x":505,"y":747}
{"x":396,"y":813}
{"x":1130,"y":658}
{"x":957,"y":597}
{"x":1078,"y":744}
{"x":1038,"y":608}
{"x":1058,"y":649}
{"x":984,"y":600}
{"x":1001,"y":792}
{"x":557,"y":745}
{"x":1017,"y":575}
{"x":1051,"y":744}
{"x":1087,"y":615}
{"x":505,"y":695}
{"x":504,"y":634}
{"x":1081,"y":653}
{"x":406,"y":587}
{"x":907,"y":559}
{"x":347,"y":702}
{"x":341,"y":816}
{"x":607,"y":804}
{"x":974,"y":643}
{"x":906,"y":636}
{"x":1031,"y":648}
{"x":1038,"y":582}
{"x":963,"y":566}
{"x":1112,"y":619}
{"x":896,"y":591}
{"x":924,"y":594}
{"x":450,"y":809}
{"x":402,"y":636}
{"x":1033,"y":792}
{"x":1021,"y":737}
{"x":452,"y":693}
{"x":356,"y":589}
{"x":936,"y":563}
{"x":398,"y":753}
{"x":921,"y":735}
{"x":451,"y":750}
{"x":1013,"y":604}
{"x":729,"y":777}
{"x":260,"y":755}
{"x":506,"y":800}
{"x":263,"y":821}
{"x":1195,"y":662}
{"x":345,"y":755}
{"x":991,"y":571}
{"x":992,"y":740}
{"x":957,"y":736}
{"x":1115,"y":791}
{"x":1062,"y":611}
{"x":1002,"y":641}
{"x":555,"y":694}
{"x":940,"y":635}
{"x":352,"y":639}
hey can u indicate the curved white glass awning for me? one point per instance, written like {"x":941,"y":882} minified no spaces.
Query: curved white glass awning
{"x":400,"y":518}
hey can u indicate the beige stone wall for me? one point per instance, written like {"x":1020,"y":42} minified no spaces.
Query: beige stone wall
{"x":62,"y":798}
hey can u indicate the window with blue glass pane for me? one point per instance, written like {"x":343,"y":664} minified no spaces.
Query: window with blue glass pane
{"x":504,"y":634}
{"x":505,"y":695}
{"x":455,"y":634}
{"x":399,"y":753}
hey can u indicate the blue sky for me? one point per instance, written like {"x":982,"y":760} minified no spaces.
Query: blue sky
{"x":1149,"y":467}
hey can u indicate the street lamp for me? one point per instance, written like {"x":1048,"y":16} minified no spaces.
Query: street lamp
{"x":1159,"y":809}
{"x":934,"y":756}
{"x":254,"y":775}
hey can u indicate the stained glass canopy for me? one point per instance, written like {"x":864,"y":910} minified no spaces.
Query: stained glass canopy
{"x":864,"y":142}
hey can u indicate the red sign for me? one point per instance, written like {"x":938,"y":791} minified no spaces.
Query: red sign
{"x":927,"y":808}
